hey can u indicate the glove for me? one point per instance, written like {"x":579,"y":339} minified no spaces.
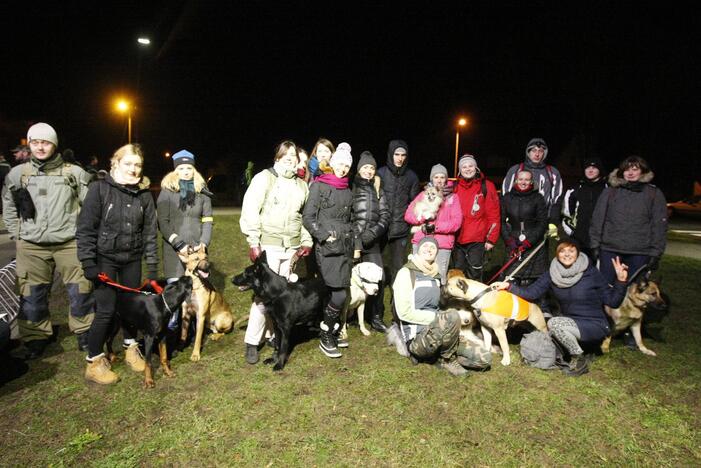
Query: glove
{"x":654,"y":263}
{"x":428,"y":228}
{"x":552,"y":230}
{"x":304,"y":251}
{"x":254,"y":252}
{"x":152,"y":271}
{"x":91,"y":272}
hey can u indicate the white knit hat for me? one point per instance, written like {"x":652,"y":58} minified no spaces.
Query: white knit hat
{"x":342,"y":155}
{"x":466,"y":158}
{"x":42,"y":131}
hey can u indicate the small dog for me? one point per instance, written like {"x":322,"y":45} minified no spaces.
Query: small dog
{"x":427,"y":208}
{"x":642,"y":293}
{"x":286,"y":304}
{"x":494,"y":309}
{"x":150,"y":315}
{"x":365,"y":279}
{"x":205,"y":303}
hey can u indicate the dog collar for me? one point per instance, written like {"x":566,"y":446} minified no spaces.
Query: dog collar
{"x":482,"y":293}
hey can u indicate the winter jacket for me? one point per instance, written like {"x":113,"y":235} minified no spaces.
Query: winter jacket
{"x":4,"y":170}
{"x":417,"y":303}
{"x":630,"y":218}
{"x":271,"y":213}
{"x":327,"y":212}
{"x":483,"y":224}
{"x":119,"y":223}
{"x":57,"y":189}
{"x":447,"y":222}
{"x":546,"y":179}
{"x":401,"y":186}
{"x":370,"y":214}
{"x":193,"y":225}
{"x":578,"y":208}
{"x":525,"y":213}
{"x":583,"y":302}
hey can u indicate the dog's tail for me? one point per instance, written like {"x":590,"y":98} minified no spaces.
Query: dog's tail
{"x":394,"y":338}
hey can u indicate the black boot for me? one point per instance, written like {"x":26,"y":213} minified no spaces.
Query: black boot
{"x":251,"y":353}
{"x":327,"y":335}
{"x":35,"y":348}
{"x":376,"y":318}
{"x":579,"y":365}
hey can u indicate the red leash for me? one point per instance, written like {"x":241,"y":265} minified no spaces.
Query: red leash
{"x":108,"y":281}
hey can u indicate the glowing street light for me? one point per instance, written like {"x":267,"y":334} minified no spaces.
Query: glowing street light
{"x":144,"y":41}
{"x":124,"y":107}
{"x":461,"y":123}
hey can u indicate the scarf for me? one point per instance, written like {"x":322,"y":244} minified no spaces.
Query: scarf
{"x":430,"y":269}
{"x":54,"y":161}
{"x":333,"y":181}
{"x":187,"y":193}
{"x":567,"y":277}
{"x":634,"y":186}
{"x":519,"y":190}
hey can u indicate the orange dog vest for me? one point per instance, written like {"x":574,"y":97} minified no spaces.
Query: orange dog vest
{"x":506,"y":304}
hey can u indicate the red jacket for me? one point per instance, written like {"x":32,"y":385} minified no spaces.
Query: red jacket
{"x":478,"y":225}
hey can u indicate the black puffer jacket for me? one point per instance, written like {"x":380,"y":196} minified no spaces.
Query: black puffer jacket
{"x":578,"y":208}
{"x":328,"y":210}
{"x":370,"y":216}
{"x":401,"y":186}
{"x":525,"y":213}
{"x":118,"y":223}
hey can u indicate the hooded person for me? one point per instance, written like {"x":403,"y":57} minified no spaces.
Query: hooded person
{"x":184,"y":212}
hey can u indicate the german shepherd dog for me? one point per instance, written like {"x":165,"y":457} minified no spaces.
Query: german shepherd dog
{"x":150,"y":315}
{"x":286,"y":304}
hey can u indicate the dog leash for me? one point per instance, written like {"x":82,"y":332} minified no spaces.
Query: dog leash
{"x":110,"y":282}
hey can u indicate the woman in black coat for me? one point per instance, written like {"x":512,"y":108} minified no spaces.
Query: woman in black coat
{"x":327,"y":217}
{"x":370,"y":218}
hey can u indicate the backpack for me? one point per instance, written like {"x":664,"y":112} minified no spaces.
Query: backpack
{"x":539,"y":350}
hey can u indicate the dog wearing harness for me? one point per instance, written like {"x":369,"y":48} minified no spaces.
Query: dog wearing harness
{"x":365,"y":279}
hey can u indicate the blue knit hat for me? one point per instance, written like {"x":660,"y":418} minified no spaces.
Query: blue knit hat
{"x":183,"y":157}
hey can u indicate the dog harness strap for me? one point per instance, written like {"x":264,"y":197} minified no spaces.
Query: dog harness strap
{"x":481,"y":294}
{"x":207,"y":219}
{"x":166,"y":304}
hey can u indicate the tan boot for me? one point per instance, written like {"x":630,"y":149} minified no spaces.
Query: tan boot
{"x":133,"y":357}
{"x":98,"y":371}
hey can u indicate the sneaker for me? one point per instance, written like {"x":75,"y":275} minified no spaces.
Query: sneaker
{"x":251,"y":353}
{"x":328,"y":345}
{"x":134,"y":358}
{"x":452,"y":367}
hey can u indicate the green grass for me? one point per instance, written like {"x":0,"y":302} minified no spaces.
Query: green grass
{"x":370,"y":407}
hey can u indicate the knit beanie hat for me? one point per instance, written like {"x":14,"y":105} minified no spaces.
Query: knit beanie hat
{"x":425,"y":239}
{"x":596,"y":162}
{"x":342,"y":155}
{"x":466,"y":158}
{"x":42,"y":131}
{"x":537,"y":143}
{"x":183,"y":157}
{"x":365,"y":159}
{"x":438,"y":169}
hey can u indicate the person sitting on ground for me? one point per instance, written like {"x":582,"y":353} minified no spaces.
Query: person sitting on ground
{"x":582,"y":293}
{"x":431,"y":335}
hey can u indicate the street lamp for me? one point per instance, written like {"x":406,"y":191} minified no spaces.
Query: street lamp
{"x":461,"y":123}
{"x":124,"y":107}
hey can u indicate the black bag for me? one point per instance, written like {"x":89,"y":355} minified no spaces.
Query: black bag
{"x":338,"y":247}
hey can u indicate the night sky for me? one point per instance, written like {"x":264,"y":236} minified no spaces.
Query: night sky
{"x":229,"y":80}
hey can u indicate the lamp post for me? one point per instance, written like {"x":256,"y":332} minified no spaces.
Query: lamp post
{"x":461,"y":123}
{"x":124,"y":106}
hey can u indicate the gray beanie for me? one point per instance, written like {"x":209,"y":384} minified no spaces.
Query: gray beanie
{"x":465,"y":158}
{"x":537,"y":143}
{"x":365,"y":159}
{"x":42,"y":131}
{"x":425,"y":239}
{"x":438,"y":169}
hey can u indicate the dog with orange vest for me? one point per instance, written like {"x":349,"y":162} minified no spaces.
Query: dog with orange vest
{"x":493,"y":309}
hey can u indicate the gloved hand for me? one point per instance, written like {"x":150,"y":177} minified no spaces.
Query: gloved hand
{"x":654,"y":263}
{"x":152,"y":271}
{"x":552,"y":230}
{"x":91,"y":272}
{"x":254,"y":252}
{"x":304,"y":251}
{"x":428,"y":228}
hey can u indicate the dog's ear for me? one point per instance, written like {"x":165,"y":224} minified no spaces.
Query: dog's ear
{"x":462,"y":285}
{"x":262,"y":258}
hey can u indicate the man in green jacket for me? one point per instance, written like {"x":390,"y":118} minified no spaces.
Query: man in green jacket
{"x":41,"y":201}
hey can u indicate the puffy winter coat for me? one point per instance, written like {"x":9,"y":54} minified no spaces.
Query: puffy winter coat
{"x":370,"y":214}
{"x":525,"y":213}
{"x":447,"y":222}
{"x":630,"y":218}
{"x":401,"y":185}
{"x":578,"y":208}
{"x":480,"y":213}
{"x":118,"y":222}
{"x":546,"y":179}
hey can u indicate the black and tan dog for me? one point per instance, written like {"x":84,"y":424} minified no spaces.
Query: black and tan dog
{"x":205,"y":304}
{"x":150,"y":314}
{"x":642,"y":294}
{"x":286,"y":304}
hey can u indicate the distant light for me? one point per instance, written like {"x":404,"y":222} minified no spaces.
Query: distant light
{"x":144,"y":41}
{"x":167,"y":154}
{"x":122,"y":106}
{"x":462,"y":122}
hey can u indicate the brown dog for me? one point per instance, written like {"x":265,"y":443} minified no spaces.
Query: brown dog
{"x":205,"y":303}
{"x":641,"y":294}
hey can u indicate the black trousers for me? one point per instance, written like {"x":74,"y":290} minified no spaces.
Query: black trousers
{"x":397,"y":248}
{"x":470,"y":259}
{"x":127,"y":274}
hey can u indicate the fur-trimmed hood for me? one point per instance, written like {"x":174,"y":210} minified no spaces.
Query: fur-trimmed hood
{"x":171,"y":182}
{"x":616,"y":181}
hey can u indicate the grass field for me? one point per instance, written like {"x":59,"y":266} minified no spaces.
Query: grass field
{"x":371,"y":407}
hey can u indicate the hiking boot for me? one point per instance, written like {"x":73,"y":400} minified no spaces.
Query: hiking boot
{"x":328,"y":345}
{"x":35,"y":349}
{"x":82,"y":339}
{"x":470,"y":364}
{"x":342,"y":342}
{"x":134,"y":358}
{"x":251,"y":354}
{"x":378,"y":325}
{"x":452,"y":367}
{"x":579,"y":365}
{"x":99,"y":371}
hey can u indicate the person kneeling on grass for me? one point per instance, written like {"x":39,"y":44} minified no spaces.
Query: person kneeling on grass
{"x":431,"y":335}
{"x":581,"y":292}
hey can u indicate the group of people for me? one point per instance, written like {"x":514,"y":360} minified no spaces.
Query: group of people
{"x":309,"y":205}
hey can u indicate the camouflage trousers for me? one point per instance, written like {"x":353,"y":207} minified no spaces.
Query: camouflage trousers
{"x":474,"y":355}
{"x":439,"y":338}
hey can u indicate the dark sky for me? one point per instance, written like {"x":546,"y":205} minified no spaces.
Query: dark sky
{"x":229,"y":80}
